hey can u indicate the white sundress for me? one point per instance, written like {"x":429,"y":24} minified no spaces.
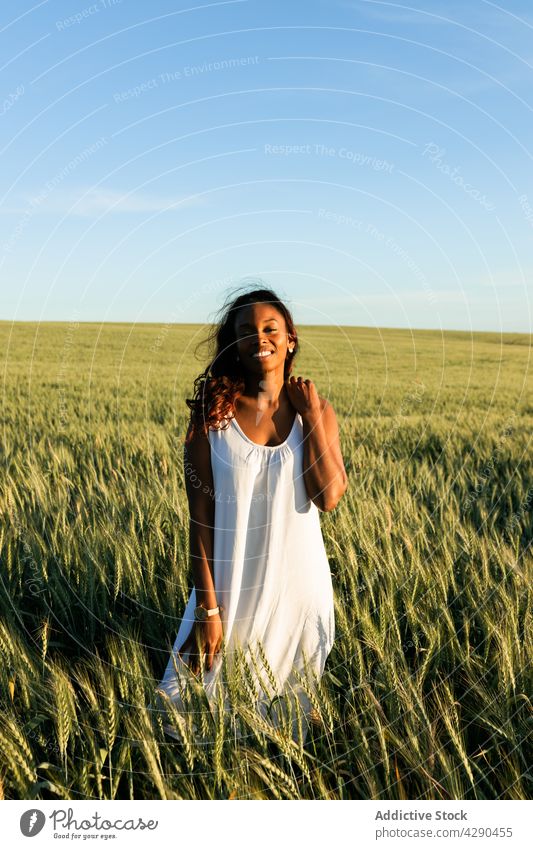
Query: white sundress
{"x":270,"y":567}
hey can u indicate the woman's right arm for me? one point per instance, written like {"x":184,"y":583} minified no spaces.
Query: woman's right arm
{"x":206,"y":636}
{"x":201,"y":498}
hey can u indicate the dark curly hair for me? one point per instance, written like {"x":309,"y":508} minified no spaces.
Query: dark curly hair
{"x":222,"y":381}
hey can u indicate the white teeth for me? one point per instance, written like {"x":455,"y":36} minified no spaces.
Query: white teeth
{"x":263,"y":354}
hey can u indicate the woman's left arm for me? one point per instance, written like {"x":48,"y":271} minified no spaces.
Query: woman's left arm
{"x":323,"y":467}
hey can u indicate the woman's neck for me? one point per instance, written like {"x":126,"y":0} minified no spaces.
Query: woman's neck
{"x":268,"y":390}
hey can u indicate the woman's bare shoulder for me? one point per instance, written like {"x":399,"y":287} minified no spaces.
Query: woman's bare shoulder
{"x":198,"y":470}
{"x":325,"y":404}
{"x":196,"y":440}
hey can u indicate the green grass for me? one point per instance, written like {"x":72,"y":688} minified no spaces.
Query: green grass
{"x":427,"y":692}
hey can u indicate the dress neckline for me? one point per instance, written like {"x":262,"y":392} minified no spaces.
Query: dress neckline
{"x":257,"y":444}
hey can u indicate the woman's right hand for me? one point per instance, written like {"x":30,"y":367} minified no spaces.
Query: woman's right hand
{"x":206,"y":637}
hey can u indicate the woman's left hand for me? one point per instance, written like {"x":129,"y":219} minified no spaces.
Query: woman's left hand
{"x":303,"y":396}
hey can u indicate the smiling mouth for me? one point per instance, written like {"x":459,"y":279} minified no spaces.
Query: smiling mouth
{"x":260,"y":355}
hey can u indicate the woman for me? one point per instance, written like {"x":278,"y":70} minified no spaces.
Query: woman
{"x":262,"y":457}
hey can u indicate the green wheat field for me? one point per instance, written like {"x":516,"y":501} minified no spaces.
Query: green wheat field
{"x":427,"y":692}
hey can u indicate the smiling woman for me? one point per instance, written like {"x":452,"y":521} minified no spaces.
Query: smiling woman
{"x":266,"y":448}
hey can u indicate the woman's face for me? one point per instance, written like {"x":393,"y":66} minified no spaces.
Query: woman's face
{"x":261,"y":327}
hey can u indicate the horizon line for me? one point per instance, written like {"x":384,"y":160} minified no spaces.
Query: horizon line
{"x":299,"y":324}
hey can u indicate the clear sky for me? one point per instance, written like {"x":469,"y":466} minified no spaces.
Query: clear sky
{"x":371,"y":161}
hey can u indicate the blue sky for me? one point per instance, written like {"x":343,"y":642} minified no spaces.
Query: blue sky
{"x":371,"y":161}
